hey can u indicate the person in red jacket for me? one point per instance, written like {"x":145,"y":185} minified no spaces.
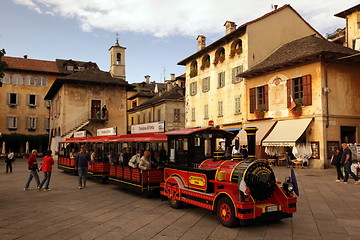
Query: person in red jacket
{"x":33,"y":168}
{"x":47,"y":168}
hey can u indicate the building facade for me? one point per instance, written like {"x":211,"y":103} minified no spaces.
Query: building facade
{"x":88,"y":100}
{"x":352,"y":29}
{"x":25,"y":113}
{"x":308,"y":91}
{"x":213,"y":90}
{"x":165,"y":111}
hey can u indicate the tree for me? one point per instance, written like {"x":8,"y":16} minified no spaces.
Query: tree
{"x":3,"y":64}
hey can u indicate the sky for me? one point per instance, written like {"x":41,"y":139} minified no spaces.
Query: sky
{"x":157,"y":34}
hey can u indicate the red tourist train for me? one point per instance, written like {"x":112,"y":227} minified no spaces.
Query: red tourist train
{"x":201,"y":171}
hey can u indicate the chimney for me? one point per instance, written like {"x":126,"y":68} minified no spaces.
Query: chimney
{"x":25,"y":56}
{"x":275,"y":6}
{"x":147,"y":79}
{"x":172,"y":76}
{"x":201,"y":42}
{"x":169,"y":86}
{"x":230,"y":27}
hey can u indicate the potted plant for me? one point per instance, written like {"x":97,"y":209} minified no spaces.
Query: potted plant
{"x":205,"y":65}
{"x":259,"y":113}
{"x":193,"y":72}
{"x":221,"y":58}
{"x":216,"y":61}
{"x":232,"y":54}
{"x":238,"y":50}
{"x":297,"y":110}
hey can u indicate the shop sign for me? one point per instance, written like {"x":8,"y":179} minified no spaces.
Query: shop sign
{"x":106,"y":131}
{"x":80,"y":134}
{"x":148,"y":128}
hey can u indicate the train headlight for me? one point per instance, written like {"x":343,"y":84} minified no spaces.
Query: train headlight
{"x":288,"y":186}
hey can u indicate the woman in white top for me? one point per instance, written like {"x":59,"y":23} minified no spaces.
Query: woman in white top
{"x":9,"y":161}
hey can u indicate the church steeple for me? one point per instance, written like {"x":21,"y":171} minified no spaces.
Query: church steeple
{"x":117,"y":60}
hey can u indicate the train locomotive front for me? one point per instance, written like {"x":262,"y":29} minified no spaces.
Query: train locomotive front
{"x":239,"y":191}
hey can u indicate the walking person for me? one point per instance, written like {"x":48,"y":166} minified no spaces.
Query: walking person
{"x":9,"y":160}
{"x":347,"y":161}
{"x":33,"y":168}
{"x":81,"y":164}
{"x":336,"y":161}
{"x":46,"y":167}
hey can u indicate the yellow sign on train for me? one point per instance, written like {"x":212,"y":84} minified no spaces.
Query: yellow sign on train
{"x":198,"y":181}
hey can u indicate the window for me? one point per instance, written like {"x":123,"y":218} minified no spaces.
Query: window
{"x":31,"y":100}
{"x":206,"y":111}
{"x":159,"y":115}
{"x":47,"y":124}
{"x":47,"y":103}
{"x":220,"y":109}
{"x":118,"y":59}
{"x":259,"y":98}
{"x":70,"y":67}
{"x":192,"y":114}
{"x":358,"y":20}
{"x":193,"y":69}
{"x":138,"y":119}
{"x":12,"y":99}
{"x":6,"y":78}
{"x":41,"y":81}
{"x":29,"y":80}
{"x":17,"y":79}
{"x":133,"y":103}
{"x":237,"y":106}
{"x":300,"y":90}
{"x":236,"y":71}
{"x":206,"y":84}
{"x":176,"y":115}
{"x":193,"y":89}
{"x":144,"y":118}
{"x":132,"y":120}
{"x":12,"y":122}
{"x":221,"y":79}
{"x":150,"y":120}
{"x":31,"y":123}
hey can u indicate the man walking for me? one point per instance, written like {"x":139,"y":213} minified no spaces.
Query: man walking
{"x":82,"y":160}
{"x":346,"y":159}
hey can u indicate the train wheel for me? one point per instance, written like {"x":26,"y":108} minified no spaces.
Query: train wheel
{"x":174,"y":193}
{"x":226,"y":212}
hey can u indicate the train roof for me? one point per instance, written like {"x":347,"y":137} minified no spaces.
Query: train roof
{"x":141,"y":137}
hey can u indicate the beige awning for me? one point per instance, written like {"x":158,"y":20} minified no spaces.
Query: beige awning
{"x":286,"y":133}
{"x":263,"y":129}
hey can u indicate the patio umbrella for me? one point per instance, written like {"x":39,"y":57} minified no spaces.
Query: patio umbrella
{"x":27,"y":147}
{"x":3,"y":151}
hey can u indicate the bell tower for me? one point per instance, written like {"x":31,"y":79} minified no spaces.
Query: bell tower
{"x":117,"y":61}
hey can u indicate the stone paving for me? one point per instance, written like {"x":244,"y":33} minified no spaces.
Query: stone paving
{"x":326,"y":210}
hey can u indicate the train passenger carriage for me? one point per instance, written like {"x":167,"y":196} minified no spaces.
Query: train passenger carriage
{"x":145,"y":181}
{"x":202,"y":172}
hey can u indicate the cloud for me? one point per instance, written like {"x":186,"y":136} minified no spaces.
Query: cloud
{"x":186,"y":17}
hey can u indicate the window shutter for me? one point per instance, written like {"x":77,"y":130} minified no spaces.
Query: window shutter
{"x":8,"y":122}
{"x":36,"y":100}
{"x":16,"y":122}
{"x":27,"y":123}
{"x":27,"y":99}
{"x":208,"y":83}
{"x":8,"y":98}
{"x":252,"y":100}
{"x":233,"y":75}
{"x":307,"y":98}
{"x":223,"y":79}
{"x":35,"y":123}
{"x":266,"y":97}
{"x":288,"y":90}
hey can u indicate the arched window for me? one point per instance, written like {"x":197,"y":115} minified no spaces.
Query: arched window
{"x":193,"y":69}
{"x":205,"y":63}
{"x":219,"y":56}
{"x":17,"y":79}
{"x":41,"y":81}
{"x":118,"y":58}
{"x":29,"y":80}
{"x":236,"y":48}
{"x":6,"y":78}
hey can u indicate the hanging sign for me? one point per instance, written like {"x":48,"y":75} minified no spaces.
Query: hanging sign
{"x":148,"y":128}
{"x":80,"y":134}
{"x":106,"y":131}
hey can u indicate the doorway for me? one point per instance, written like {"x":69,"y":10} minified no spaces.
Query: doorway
{"x":95,"y":108}
{"x":348,"y":134}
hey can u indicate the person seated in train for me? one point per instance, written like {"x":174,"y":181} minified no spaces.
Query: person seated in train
{"x":145,"y":161}
{"x":163,"y":155}
{"x":112,"y":158}
{"x":73,"y":154}
{"x":134,"y":161}
{"x":124,"y":157}
{"x":95,"y":155}
{"x":156,"y":161}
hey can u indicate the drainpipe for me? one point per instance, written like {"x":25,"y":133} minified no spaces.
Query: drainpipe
{"x":326,"y":92}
